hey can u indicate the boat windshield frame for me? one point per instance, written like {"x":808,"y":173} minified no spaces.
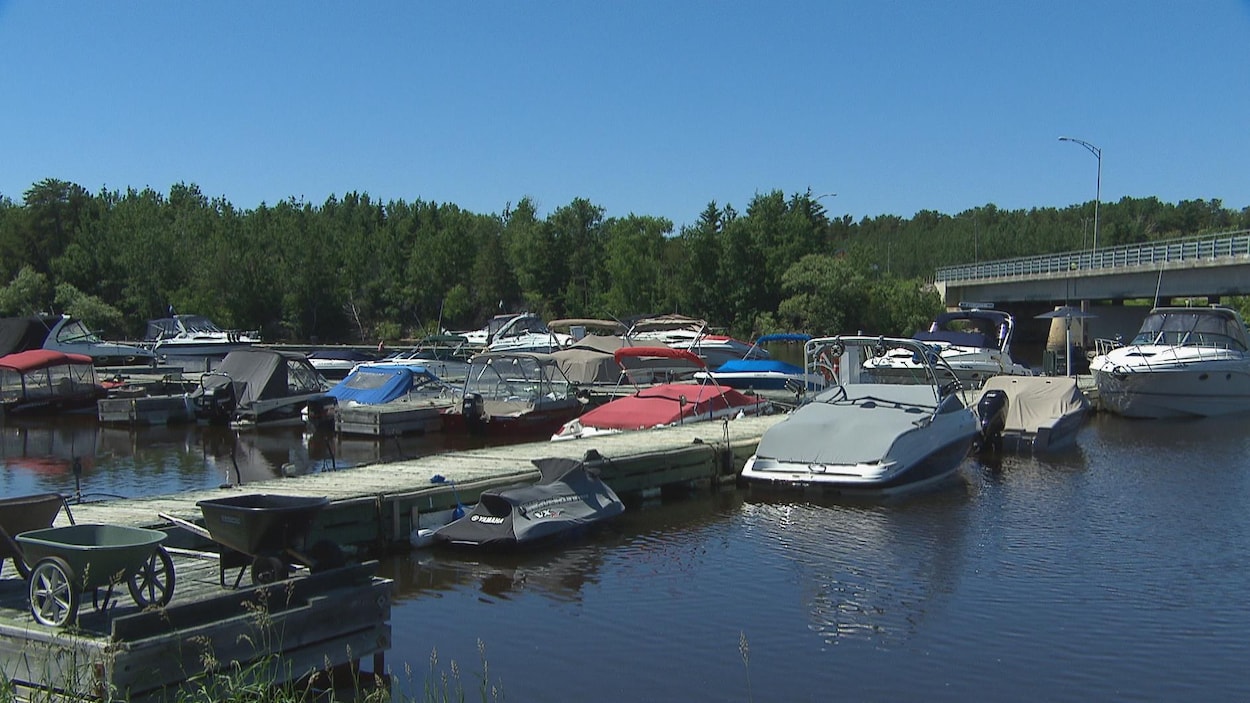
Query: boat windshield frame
{"x":819,"y":355}
{"x":1183,"y":327}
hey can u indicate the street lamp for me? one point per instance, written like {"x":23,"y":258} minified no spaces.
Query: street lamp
{"x":1098,"y":186}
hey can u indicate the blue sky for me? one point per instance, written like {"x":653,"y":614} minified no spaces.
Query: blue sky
{"x":651,"y":108}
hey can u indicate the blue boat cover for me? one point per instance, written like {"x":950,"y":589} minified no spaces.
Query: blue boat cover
{"x":372,"y":385}
{"x":759,"y":366}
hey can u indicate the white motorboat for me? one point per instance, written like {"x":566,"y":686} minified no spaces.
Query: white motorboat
{"x":69,"y":335}
{"x":693,"y":334}
{"x":974,"y":341}
{"x":195,"y":336}
{"x":867,"y":434}
{"x":1184,"y":362}
{"x":518,"y":332}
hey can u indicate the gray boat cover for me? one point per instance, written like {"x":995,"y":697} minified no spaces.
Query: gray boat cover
{"x":1037,"y":401}
{"x":567,"y":496}
{"x":852,"y":427}
{"x":260,"y":374}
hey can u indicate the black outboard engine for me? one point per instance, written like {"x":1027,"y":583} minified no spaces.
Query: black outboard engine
{"x":992,"y":410}
{"x":473,"y":407}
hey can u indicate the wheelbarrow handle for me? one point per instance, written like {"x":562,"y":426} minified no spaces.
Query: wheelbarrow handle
{"x":187,"y":525}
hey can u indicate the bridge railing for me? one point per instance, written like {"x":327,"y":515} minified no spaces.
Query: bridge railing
{"x":1210,"y":246}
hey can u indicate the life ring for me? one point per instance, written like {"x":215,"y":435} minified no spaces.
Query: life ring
{"x":829,"y":364}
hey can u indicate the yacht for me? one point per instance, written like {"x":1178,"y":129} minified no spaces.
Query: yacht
{"x":974,"y":341}
{"x":1184,"y":362}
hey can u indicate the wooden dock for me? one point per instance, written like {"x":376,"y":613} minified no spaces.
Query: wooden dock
{"x":310,"y":626}
{"x":397,"y":417}
{"x":332,"y":619}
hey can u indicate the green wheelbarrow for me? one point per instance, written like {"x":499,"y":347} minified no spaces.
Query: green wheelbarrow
{"x":65,"y":562}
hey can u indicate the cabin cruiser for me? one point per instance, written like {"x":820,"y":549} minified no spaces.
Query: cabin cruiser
{"x":664,"y":404}
{"x":1184,"y":362}
{"x":974,"y":341}
{"x":517,"y":332}
{"x":194,"y":336}
{"x":692,"y":334}
{"x":69,"y":335}
{"x":869,"y":434}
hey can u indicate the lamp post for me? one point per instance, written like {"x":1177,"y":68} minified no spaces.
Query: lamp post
{"x":1098,"y":186}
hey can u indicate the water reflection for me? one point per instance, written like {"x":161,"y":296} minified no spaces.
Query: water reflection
{"x":40,"y":454}
{"x":866,"y":571}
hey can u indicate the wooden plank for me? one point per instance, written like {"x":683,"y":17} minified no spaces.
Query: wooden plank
{"x":277,"y":596}
{"x":253,"y":634}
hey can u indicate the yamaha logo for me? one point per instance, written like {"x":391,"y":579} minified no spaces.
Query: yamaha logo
{"x":486,"y":519}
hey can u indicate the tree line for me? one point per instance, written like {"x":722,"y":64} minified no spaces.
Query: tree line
{"x":355,"y":269}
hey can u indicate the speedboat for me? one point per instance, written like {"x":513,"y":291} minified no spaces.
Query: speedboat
{"x":194,"y":336}
{"x":569,"y":497}
{"x":1184,"y":362}
{"x":974,"y":341}
{"x":693,"y":334}
{"x":513,"y":393}
{"x":44,"y":381}
{"x":867,"y":434}
{"x":445,"y":355}
{"x":258,"y":387}
{"x":751,"y":373}
{"x":1041,"y":413}
{"x":665,"y":404}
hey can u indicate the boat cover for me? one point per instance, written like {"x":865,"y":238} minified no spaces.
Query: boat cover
{"x":759,"y":366}
{"x":23,"y":333}
{"x":373,"y":385}
{"x":35,"y":359}
{"x":1037,"y":401}
{"x":837,"y":428}
{"x":567,"y":496}
{"x":261,"y":374}
{"x":665,"y":404}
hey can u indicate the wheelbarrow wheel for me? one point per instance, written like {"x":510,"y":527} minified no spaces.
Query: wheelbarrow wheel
{"x":153,"y":583}
{"x":53,"y":597}
{"x":268,"y":569}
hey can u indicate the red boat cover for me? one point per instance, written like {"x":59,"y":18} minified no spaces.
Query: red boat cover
{"x":36,"y":359}
{"x":658,"y":352}
{"x":661,"y":405}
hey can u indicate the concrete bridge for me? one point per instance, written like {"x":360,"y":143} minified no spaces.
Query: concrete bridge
{"x":1210,"y":266}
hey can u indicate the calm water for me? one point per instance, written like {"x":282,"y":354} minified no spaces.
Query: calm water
{"x":1116,"y":571}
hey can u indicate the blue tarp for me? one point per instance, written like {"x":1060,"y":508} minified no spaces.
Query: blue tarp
{"x":371,"y":385}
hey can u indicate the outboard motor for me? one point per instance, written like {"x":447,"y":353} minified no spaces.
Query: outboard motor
{"x":992,"y":410}
{"x":473,"y":407}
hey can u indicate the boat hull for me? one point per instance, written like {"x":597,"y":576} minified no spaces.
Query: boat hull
{"x":921,"y":473}
{"x":1192,"y":390}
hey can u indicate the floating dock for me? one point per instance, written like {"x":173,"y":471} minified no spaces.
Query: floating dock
{"x":397,"y":417}
{"x":325,"y":623}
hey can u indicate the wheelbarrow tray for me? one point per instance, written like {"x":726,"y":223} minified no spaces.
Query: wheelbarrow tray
{"x":261,"y":523}
{"x":98,"y":554}
{"x":23,"y":514}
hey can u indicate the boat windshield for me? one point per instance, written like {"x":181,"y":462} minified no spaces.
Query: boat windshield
{"x":1192,"y":328}
{"x":76,"y":331}
{"x":843,"y":362}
